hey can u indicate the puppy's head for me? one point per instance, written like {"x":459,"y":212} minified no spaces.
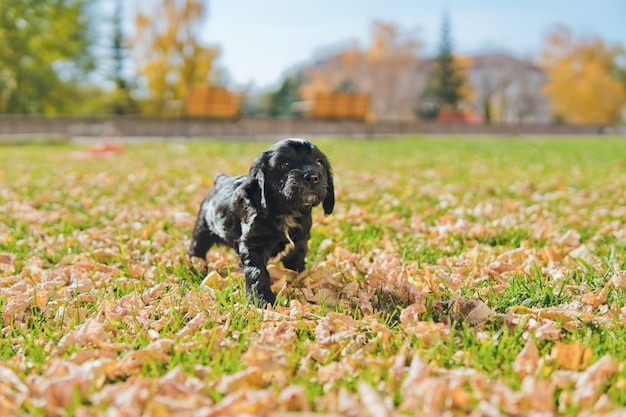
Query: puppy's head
{"x":293,"y":174}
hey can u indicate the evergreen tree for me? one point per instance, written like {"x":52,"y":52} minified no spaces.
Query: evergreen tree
{"x":122,"y":103}
{"x":446,"y":79}
{"x":281,"y":102}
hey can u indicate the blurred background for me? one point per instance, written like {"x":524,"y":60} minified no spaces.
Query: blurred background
{"x":471,"y":62}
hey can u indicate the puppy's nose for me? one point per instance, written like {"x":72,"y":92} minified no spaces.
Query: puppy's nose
{"x":311,"y":177}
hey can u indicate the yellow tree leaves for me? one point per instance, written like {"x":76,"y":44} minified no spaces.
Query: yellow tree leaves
{"x":171,"y":57}
{"x":582,"y":87}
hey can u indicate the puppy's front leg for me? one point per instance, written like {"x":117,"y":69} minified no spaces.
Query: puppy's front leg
{"x":294,"y":260}
{"x":258,"y":283}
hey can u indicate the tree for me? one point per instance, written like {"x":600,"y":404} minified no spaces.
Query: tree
{"x":170,"y":54}
{"x":122,"y":101}
{"x":282,"y":101}
{"x":584,"y":85}
{"x":447,"y":83}
{"x":44,"y":55}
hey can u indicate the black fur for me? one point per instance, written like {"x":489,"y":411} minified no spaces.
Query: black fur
{"x":266,"y":215}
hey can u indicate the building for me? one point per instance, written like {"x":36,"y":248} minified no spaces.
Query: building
{"x":505,"y":89}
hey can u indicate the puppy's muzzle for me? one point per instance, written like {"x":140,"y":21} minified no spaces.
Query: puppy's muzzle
{"x":311,"y":178}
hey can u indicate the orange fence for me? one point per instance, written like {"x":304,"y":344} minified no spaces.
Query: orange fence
{"x":215,"y":102}
{"x":341,"y":106}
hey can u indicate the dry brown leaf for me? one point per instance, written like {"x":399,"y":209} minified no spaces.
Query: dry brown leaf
{"x":318,"y":352}
{"x":349,"y":405}
{"x":570,"y":318}
{"x":618,"y":280}
{"x":475,"y":312}
{"x":16,"y":305}
{"x":597,"y":297}
{"x":58,"y":393}
{"x":250,"y":378}
{"x":427,"y":395}
{"x":91,"y":331}
{"x":246,"y":402}
{"x":537,"y":395}
{"x":177,"y":385}
{"x":527,"y":361}
{"x":334,"y":323}
{"x":549,"y":330}
{"x":571,"y":238}
{"x":153,"y":293}
{"x":293,"y":398}
{"x":373,"y":402}
{"x":428,"y":331}
{"x":133,"y":361}
{"x":588,"y":385}
{"x":163,"y":345}
{"x":571,"y":356}
{"x":410,"y":315}
{"x":269,"y":358}
{"x":13,"y":392}
{"x":7,"y":263}
{"x":82,"y":356}
{"x":418,"y":371}
{"x":193,"y":325}
{"x":126,"y":399}
{"x":214,"y":280}
{"x":57,"y":389}
{"x":332,"y":372}
{"x":618,"y":412}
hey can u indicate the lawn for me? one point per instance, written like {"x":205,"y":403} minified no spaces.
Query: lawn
{"x":456,"y":276}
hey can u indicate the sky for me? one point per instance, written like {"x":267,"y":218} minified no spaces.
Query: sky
{"x":262,"y":39}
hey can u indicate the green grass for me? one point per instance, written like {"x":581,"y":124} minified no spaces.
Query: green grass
{"x":531,"y":226}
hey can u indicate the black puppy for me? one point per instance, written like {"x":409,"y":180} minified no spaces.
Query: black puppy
{"x":266,"y":215}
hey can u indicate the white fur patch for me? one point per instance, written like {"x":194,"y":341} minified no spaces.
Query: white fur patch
{"x":214,"y":219}
{"x":290,"y":222}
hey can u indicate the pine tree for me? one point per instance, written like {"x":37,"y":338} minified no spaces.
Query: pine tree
{"x":446,"y":79}
{"x":281,"y":101}
{"x":122,"y":103}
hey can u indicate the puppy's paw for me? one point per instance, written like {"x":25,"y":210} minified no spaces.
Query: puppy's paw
{"x":262,"y":299}
{"x":196,"y":264}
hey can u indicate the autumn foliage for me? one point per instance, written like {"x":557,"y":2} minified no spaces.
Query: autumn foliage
{"x":583,"y":86}
{"x":169,"y":54}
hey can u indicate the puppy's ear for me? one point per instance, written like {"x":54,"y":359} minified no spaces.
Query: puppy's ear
{"x":255,"y":186}
{"x":329,"y":201}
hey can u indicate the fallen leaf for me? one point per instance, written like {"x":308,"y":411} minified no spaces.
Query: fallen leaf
{"x":538,"y":395}
{"x":527,"y":361}
{"x":13,"y":392}
{"x":410,"y":314}
{"x":571,"y":356}
{"x":373,"y":402}
{"x":294,"y":398}
{"x":596,"y":298}
{"x":589,"y":384}
{"x":193,"y":325}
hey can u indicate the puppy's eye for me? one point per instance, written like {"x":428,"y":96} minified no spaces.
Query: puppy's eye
{"x":283,"y":164}
{"x":319,"y":162}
